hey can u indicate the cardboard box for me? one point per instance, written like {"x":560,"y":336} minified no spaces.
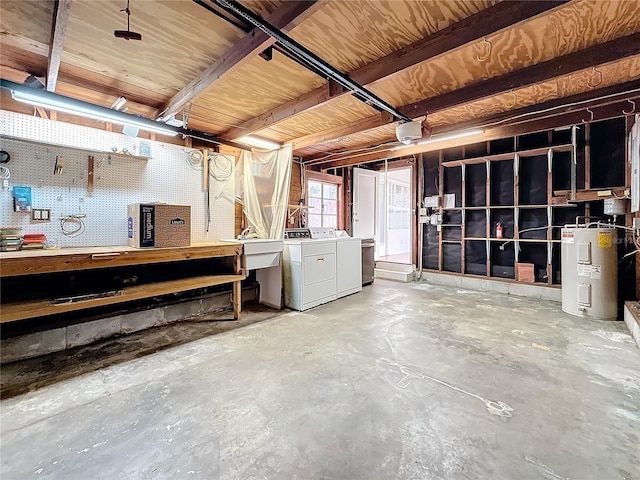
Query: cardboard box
{"x":525,"y":272}
{"x":159,"y":225}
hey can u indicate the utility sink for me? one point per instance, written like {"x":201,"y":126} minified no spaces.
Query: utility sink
{"x":260,"y":252}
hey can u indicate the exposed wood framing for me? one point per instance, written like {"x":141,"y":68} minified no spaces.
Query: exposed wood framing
{"x":286,"y":17}
{"x":572,"y":117}
{"x":42,"y":112}
{"x":597,"y":55}
{"x":58,"y":32}
{"x":335,"y":134}
{"x":485,"y":22}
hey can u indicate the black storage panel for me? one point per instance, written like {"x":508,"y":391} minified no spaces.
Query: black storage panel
{"x":452,"y":260}
{"x":502,"y":183}
{"x":476,"y":185}
{"x":561,"y":171}
{"x":451,"y":233}
{"x":504,"y":216}
{"x":476,"y":223}
{"x":475,"y":257}
{"x":531,"y":218}
{"x":607,"y":153}
{"x":532,"y":180}
{"x":453,"y":183}
{"x":535,"y":253}
{"x":502,"y":260}
{"x":430,"y":249}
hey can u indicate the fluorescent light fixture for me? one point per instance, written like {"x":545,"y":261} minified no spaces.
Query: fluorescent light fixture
{"x":83,"y":109}
{"x":442,"y":138}
{"x":258,"y":142}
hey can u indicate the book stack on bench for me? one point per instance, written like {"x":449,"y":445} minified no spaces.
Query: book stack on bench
{"x":10,"y":239}
{"x":33,"y":241}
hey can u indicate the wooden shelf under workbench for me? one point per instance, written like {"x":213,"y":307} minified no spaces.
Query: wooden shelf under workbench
{"x":39,"y":308}
{"x":85,"y":258}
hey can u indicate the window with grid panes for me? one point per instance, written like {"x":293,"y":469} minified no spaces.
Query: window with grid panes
{"x":323,"y":204}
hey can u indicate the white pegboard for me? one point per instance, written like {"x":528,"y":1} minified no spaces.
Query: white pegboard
{"x":118,"y":181}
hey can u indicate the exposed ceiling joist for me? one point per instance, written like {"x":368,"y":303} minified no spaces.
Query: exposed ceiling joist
{"x":605,"y":103}
{"x":310,"y":60}
{"x":58,"y":32}
{"x":593,"y":56}
{"x":472,"y":28}
{"x":286,"y":17}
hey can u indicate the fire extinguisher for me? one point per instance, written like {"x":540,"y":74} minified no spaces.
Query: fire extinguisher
{"x":499,"y":231}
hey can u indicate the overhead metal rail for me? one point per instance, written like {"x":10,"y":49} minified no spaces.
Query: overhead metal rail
{"x":308,"y":59}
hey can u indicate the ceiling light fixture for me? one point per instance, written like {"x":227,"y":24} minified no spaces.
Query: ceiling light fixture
{"x":119,"y":103}
{"x":442,"y":138}
{"x":61,"y":103}
{"x":258,"y":142}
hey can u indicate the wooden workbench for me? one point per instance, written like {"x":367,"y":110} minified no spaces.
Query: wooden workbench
{"x":34,"y":262}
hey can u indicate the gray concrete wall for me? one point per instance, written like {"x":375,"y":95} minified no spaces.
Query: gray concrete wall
{"x":49,"y":341}
{"x":511,"y":288}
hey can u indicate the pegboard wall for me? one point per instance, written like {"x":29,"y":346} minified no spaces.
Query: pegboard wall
{"x":119,"y":180}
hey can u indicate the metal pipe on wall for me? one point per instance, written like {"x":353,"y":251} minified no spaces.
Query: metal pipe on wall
{"x":420,"y":196}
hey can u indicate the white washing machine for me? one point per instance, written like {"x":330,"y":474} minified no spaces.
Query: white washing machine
{"x":309,"y":269}
{"x":349,"y":264}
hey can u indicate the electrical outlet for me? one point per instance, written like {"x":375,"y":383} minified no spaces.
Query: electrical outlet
{"x":40,"y":214}
{"x":423,"y":211}
{"x":636,"y":223}
{"x":424,"y":219}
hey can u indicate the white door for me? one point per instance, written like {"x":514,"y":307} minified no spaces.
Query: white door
{"x":365,"y":203}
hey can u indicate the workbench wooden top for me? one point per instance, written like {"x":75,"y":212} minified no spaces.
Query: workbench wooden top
{"x":26,"y":262}
{"x":104,"y":249}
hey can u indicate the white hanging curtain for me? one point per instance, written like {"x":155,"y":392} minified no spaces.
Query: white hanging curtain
{"x":262,"y":186}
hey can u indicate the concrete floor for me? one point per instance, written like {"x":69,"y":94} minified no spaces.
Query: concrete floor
{"x":400,"y":381}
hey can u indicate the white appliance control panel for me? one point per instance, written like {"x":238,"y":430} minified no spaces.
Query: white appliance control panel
{"x":322,"y":232}
{"x":298,"y":233}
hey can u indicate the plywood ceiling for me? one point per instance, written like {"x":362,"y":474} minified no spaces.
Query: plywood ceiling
{"x":350,"y":34}
{"x":181,"y":39}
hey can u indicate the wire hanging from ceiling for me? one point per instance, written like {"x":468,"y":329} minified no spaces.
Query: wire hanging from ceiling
{"x":127,"y":34}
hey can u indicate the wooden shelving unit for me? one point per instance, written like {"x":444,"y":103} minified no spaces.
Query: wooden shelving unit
{"x":42,"y":262}
{"x":529,"y":184}
{"x":129,"y":156}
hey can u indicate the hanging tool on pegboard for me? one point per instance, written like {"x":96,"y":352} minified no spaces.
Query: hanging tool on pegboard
{"x":59,"y":166}
{"x":205,"y":185}
{"x":90,"y":170}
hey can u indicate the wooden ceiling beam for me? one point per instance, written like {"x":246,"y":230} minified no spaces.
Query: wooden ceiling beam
{"x":558,"y":106}
{"x":61,"y":11}
{"x":470,"y":29}
{"x":593,"y":56}
{"x":570,"y":114}
{"x":286,"y":17}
